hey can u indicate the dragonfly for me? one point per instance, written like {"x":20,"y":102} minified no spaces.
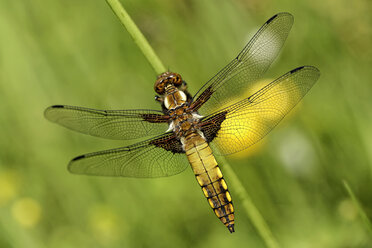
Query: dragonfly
{"x":190,"y":130}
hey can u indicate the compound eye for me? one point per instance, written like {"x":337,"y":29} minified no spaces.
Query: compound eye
{"x":159,"y":87}
{"x":177,"y":80}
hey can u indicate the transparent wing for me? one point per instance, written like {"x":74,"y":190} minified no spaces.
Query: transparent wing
{"x":110,"y":124}
{"x":247,"y":67}
{"x":244,"y":123}
{"x":158,"y":157}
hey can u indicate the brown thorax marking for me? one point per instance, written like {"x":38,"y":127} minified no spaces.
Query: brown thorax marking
{"x":184,"y":122}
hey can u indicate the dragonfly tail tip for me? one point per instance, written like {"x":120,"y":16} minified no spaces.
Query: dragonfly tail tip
{"x":231,"y":228}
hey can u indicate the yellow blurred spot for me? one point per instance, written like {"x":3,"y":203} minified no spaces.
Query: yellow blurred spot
{"x":347,"y":210}
{"x":253,"y":123}
{"x":26,"y":211}
{"x":250,"y":151}
{"x":104,"y":224}
{"x":9,"y":186}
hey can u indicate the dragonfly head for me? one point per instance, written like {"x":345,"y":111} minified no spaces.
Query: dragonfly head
{"x":165,"y":81}
{"x":171,"y":90}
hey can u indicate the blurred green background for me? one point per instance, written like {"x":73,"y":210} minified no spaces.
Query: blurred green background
{"x":77,"y":53}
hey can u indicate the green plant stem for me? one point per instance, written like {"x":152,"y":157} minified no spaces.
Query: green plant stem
{"x":359,"y":208}
{"x":249,"y":207}
{"x":137,"y":36}
{"x":158,"y":66}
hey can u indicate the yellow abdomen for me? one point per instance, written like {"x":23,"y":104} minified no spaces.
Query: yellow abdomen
{"x":210,"y":178}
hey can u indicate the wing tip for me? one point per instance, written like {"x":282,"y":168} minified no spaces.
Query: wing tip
{"x":50,"y":108}
{"x":280,"y":14}
{"x":307,"y":67}
{"x":70,"y":166}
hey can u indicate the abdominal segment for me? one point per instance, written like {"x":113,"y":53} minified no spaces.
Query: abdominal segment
{"x":210,"y":178}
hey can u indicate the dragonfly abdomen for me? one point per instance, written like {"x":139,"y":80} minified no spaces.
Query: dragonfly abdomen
{"x":210,"y":178}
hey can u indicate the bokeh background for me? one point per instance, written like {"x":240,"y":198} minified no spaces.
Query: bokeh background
{"x":77,"y":53}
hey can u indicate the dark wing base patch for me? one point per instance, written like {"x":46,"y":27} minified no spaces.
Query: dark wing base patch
{"x":169,"y":143}
{"x":211,"y":125}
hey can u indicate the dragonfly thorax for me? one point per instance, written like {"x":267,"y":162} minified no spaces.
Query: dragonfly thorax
{"x":175,"y":99}
{"x":184,"y":121}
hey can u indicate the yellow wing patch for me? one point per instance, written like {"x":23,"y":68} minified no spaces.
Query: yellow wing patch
{"x":249,"y":120}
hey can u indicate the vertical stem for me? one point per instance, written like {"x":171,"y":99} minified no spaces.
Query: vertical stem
{"x":158,"y":67}
{"x":249,"y":207}
{"x":359,"y":207}
{"x":137,"y":36}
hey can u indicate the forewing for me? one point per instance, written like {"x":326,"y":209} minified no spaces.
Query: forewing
{"x":244,"y":123}
{"x":158,"y":157}
{"x":247,"y":67}
{"x":110,"y":124}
